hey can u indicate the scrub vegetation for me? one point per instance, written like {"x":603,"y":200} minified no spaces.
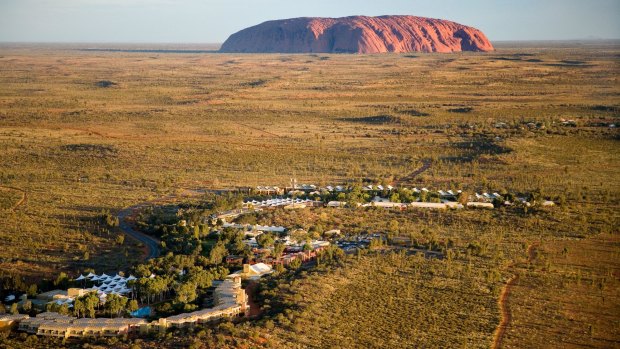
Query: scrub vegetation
{"x":84,"y":134}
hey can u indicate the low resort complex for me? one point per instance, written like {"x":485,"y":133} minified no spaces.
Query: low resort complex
{"x":261,"y":258}
{"x":310,"y":195}
{"x":229,"y":298}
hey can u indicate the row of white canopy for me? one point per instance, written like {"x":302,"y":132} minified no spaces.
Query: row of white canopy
{"x":107,"y":284}
{"x":104,"y":278}
{"x":329,"y":188}
{"x":255,"y":227}
{"x":339,"y":188}
{"x":268,"y":188}
{"x":487,"y":196}
{"x":277,"y":202}
{"x":119,"y":289}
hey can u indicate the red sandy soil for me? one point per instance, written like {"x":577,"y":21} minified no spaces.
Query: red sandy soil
{"x":503,"y":301}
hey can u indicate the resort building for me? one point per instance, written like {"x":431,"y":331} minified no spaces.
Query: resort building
{"x":253,"y":272}
{"x":277,"y":203}
{"x":269,"y":190}
{"x":229,"y":298}
{"x":486,"y":205}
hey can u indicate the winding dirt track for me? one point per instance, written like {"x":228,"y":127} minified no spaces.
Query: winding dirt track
{"x":426,"y":164}
{"x":503,"y":303}
{"x":21,"y":201}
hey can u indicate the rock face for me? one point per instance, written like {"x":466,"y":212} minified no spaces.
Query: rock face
{"x":358,"y":34}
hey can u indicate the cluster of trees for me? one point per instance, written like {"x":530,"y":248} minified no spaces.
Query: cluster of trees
{"x":182,"y":288}
{"x":181,"y":279}
{"x":116,"y":305}
{"x":13,"y":282}
{"x":149,"y":289}
{"x":108,"y":219}
{"x":230,"y":241}
{"x":332,"y":255}
{"x":219,"y":203}
{"x":180,"y":240}
{"x":13,"y":309}
{"x":88,"y":305}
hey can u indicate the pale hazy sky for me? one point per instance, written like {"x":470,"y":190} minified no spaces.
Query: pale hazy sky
{"x":212,"y":21}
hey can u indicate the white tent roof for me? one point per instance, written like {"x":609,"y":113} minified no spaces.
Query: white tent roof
{"x":80,"y":278}
{"x":260,"y":268}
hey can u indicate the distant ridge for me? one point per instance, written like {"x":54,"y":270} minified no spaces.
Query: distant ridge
{"x":145,"y":50}
{"x":358,"y":34}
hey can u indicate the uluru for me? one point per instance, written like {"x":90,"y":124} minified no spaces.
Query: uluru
{"x":357,"y":34}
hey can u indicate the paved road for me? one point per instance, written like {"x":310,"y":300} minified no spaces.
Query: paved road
{"x":152,"y":244}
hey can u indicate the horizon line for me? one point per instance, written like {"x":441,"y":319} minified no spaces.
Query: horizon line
{"x":220,"y":43}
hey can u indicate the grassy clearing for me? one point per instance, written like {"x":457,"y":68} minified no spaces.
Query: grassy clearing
{"x":574,"y":289}
{"x":393,"y":301}
{"x":10,"y":198}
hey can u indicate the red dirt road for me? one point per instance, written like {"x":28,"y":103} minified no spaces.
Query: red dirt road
{"x":503,"y":303}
